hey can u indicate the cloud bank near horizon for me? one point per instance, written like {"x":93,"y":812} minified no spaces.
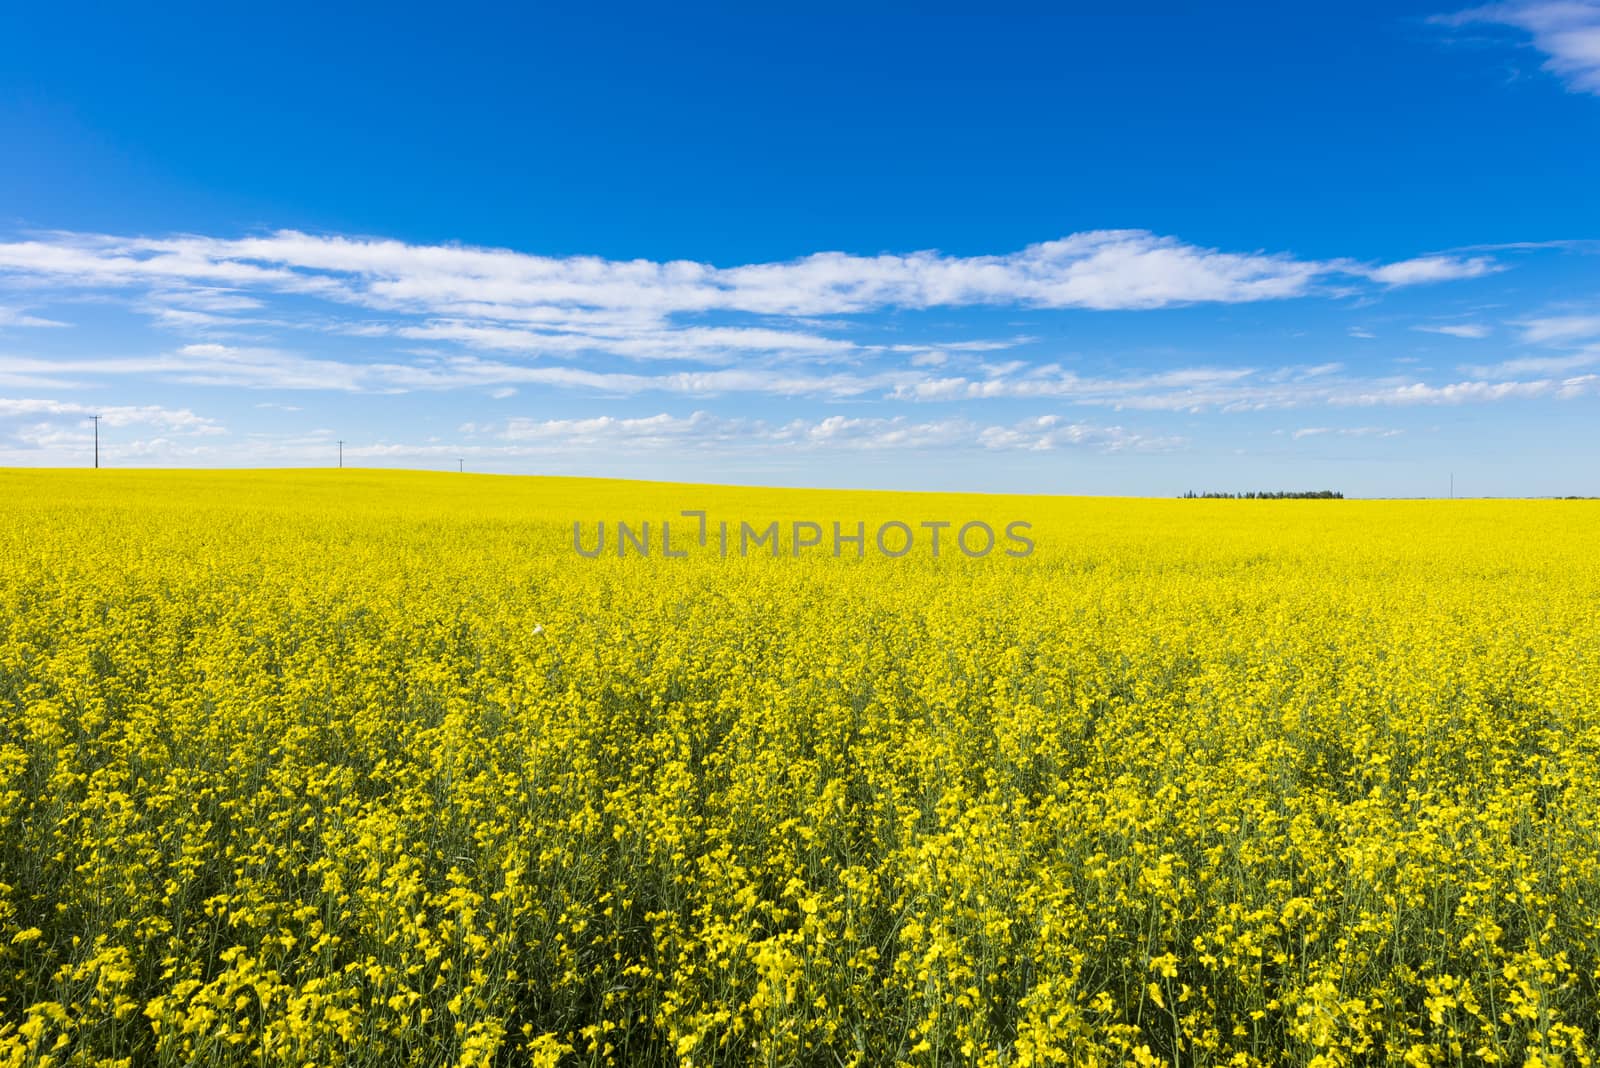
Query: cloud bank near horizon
{"x":781,"y":342}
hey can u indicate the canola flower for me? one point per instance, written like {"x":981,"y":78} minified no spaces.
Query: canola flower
{"x":349,"y":767}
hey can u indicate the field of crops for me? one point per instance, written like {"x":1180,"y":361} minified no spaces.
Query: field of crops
{"x":349,"y":767}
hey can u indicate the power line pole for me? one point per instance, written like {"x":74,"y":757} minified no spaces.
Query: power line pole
{"x":96,"y":419}
{"x":461,"y":465}
{"x":341,"y":453}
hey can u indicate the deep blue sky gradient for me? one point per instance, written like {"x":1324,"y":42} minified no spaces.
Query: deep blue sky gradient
{"x":727,"y":135}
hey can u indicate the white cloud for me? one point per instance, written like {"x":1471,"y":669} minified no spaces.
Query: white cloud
{"x":706,"y":344}
{"x":1050,"y":432}
{"x":203,"y":323}
{"x":1466,"y":392}
{"x":434,"y":318}
{"x":208,"y":298}
{"x":610,"y":431}
{"x":1103,"y":269}
{"x":1534,"y":365}
{"x":1191,"y":389}
{"x":214,"y":364}
{"x":394,"y":317}
{"x":16,"y":317}
{"x":171,"y":420}
{"x":1578,"y":386}
{"x":837,"y":432}
{"x":1348,"y":432}
{"x":1427,"y":269}
{"x":1461,"y":330}
{"x":1560,"y":329}
{"x":1237,"y":391}
{"x":1566,"y":31}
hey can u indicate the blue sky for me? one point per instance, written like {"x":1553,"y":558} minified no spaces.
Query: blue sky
{"x":1047,"y":251}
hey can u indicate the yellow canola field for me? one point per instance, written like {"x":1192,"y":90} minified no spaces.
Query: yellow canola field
{"x":350,"y":767}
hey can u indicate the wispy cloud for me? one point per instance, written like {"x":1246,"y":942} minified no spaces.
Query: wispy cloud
{"x":1195,"y":389}
{"x":213,"y":364}
{"x":1560,"y":329}
{"x":502,"y":300}
{"x":1534,"y":365}
{"x":704,"y":430}
{"x":1471,"y":331}
{"x":34,"y":429}
{"x":1427,"y":269}
{"x":1567,"y":32}
{"x":659,"y":342}
{"x":17,"y":317}
{"x":1479,"y":391}
{"x":1347,"y":432}
{"x":1244,"y":391}
{"x":294,"y":312}
{"x":30,"y":426}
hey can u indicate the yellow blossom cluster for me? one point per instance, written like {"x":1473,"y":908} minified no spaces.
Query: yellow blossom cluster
{"x":363,"y":768}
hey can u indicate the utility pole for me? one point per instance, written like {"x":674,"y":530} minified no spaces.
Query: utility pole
{"x":461,"y":465}
{"x":96,"y":419}
{"x":341,"y":453}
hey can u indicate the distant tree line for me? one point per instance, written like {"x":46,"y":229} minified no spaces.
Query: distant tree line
{"x":1268,"y":495}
